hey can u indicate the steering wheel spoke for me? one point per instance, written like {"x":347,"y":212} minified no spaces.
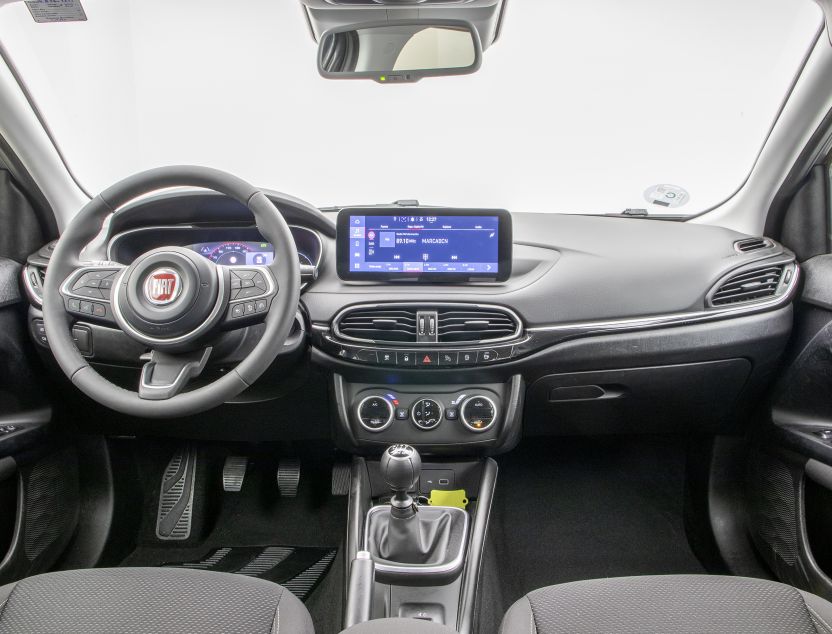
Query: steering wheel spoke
{"x":165,"y":375}
{"x":87,"y":291}
{"x":252,"y":289}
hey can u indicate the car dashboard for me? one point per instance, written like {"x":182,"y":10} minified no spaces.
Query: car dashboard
{"x":598,"y":328}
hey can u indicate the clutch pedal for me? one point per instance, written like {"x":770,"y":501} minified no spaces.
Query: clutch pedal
{"x":176,"y":497}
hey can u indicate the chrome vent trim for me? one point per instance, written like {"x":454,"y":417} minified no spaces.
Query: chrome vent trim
{"x":751,"y":285}
{"x":753,"y":244}
{"x":458,"y":324}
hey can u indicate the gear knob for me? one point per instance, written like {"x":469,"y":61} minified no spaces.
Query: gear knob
{"x":400,"y":468}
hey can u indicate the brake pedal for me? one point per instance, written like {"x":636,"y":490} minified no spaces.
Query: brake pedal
{"x":288,"y":477}
{"x":341,"y":472}
{"x":176,"y":497}
{"x":234,"y":472}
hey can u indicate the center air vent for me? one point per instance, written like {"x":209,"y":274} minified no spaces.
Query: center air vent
{"x":753,"y":244}
{"x":475,"y":324}
{"x":456,"y":324}
{"x":749,"y":286}
{"x":379,"y":324}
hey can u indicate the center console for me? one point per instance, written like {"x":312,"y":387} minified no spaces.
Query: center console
{"x":422,"y":399}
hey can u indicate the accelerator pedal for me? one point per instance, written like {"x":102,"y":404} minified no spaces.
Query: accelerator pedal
{"x":288,"y":477}
{"x":176,"y":497}
{"x":341,"y":475}
{"x":234,"y":472}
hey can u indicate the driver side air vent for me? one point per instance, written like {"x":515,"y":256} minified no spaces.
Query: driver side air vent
{"x":379,"y":324}
{"x":753,"y":244}
{"x":749,"y":286}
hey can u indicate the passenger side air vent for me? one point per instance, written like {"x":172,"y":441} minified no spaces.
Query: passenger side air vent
{"x":753,"y":244}
{"x":475,"y":324}
{"x":379,"y":324}
{"x":749,"y":286}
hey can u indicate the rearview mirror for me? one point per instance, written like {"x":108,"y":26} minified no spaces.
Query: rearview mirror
{"x":395,"y":52}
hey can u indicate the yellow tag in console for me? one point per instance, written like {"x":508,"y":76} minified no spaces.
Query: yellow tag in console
{"x":448,"y":498}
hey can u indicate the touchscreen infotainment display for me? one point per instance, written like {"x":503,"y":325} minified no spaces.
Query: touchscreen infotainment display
{"x":424,"y":243}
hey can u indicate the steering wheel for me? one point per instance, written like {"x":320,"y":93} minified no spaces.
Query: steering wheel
{"x":171,"y":300}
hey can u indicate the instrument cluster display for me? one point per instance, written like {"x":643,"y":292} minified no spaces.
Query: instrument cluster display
{"x":236,"y":253}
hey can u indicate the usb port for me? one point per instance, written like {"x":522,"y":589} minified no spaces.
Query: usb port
{"x":443,"y":482}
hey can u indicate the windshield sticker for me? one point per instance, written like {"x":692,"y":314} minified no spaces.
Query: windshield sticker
{"x":56,"y":10}
{"x":666,"y":196}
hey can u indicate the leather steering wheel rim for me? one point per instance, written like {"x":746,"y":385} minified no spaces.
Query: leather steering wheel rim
{"x":87,"y":224}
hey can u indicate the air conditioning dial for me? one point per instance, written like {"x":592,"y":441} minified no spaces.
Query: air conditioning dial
{"x":375,"y":413}
{"x":478,"y":413}
{"x":426,"y":413}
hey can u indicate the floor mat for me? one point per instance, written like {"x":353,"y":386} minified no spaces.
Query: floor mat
{"x":297,"y":568}
{"x":568,"y":509}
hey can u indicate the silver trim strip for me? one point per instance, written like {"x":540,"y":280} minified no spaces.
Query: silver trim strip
{"x":426,"y":305}
{"x":676,"y":319}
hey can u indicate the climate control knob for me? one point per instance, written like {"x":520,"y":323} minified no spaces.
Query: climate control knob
{"x":375,"y":413}
{"x":426,"y":413}
{"x":478,"y":413}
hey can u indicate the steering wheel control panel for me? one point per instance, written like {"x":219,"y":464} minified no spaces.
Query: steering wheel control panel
{"x":427,"y":415}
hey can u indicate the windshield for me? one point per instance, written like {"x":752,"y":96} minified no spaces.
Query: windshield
{"x":579,"y":107}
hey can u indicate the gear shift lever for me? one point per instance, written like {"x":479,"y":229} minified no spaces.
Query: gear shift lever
{"x":400,"y":468}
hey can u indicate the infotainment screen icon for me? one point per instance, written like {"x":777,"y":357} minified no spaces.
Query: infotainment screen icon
{"x":418,"y":244}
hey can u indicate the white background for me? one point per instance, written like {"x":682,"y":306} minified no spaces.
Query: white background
{"x":579,"y":107}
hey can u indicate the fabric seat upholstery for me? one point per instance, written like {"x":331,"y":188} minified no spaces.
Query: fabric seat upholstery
{"x":149,"y":601}
{"x":671,"y":603}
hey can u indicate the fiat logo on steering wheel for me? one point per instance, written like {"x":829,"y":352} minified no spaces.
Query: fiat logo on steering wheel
{"x":162,"y":287}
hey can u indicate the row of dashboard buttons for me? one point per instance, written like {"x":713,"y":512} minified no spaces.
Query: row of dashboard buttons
{"x":426,"y":358}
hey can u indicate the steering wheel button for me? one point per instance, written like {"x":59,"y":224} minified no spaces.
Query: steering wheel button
{"x":236,"y":282}
{"x":238,"y":310}
{"x":99,"y":310}
{"x":246,"y":275}
{"x":261,"y":305}
{"x":86,"y":308}
{"x":260,"y":282}
{"x":93,"y":283}
{"x":73,"y":304}
{"x":250,"y":308}
{"x":246,"y":283}
{"x":245,"y":293}
{"x":106,"y":283}
{"x":89,"y":292}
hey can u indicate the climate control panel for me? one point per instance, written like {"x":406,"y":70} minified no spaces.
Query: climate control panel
{"x":474,"y":410}
{"x":437,"y":418}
